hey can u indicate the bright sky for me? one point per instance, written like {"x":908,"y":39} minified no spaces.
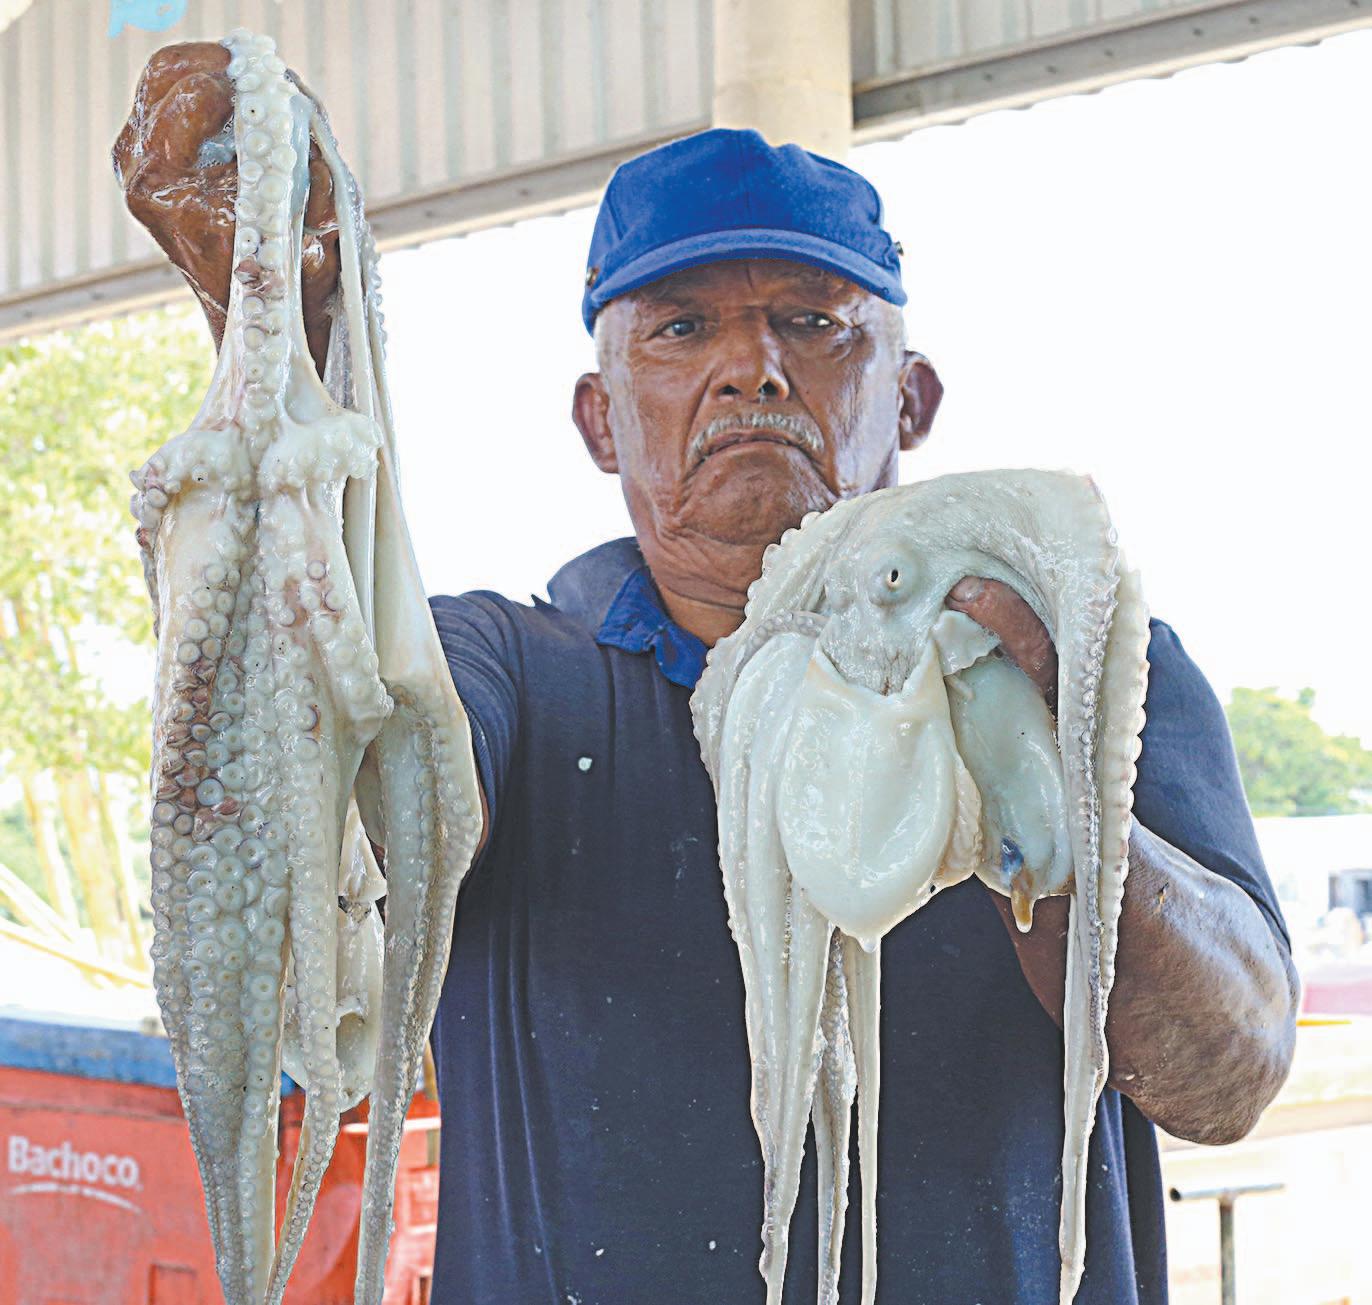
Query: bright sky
{"x":1165,"y":285}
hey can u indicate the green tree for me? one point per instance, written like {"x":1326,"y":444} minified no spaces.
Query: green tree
{"x":78,"y":410}
{"x":1290,"y":766}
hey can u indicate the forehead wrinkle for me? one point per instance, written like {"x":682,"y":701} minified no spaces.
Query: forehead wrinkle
{"x":662,"y":295}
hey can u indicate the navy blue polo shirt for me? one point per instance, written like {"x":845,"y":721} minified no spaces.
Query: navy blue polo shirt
{"x":592,"y":1062}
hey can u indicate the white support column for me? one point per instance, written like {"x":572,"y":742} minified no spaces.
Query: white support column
{"x":784,"y":68}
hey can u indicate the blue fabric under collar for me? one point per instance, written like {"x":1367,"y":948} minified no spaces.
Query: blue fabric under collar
{"x":636,"y":622}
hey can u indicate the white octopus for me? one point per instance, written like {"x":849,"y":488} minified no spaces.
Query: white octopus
{"x":868,"y":748}
{"x":302,"y":703}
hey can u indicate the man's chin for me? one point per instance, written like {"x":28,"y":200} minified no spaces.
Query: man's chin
{"x":740,"y":535}
{"x":747,"y":511}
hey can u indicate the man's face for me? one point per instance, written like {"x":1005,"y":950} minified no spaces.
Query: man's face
{"x":736,"y":397}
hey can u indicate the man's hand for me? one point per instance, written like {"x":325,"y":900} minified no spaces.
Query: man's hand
{"x":183,"y":190}
{"x":1023,"y":637}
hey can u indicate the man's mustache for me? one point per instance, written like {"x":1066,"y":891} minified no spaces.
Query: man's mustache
{"x":801,"y":431}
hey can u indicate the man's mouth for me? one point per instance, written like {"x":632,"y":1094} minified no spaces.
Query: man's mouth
{"x":784,"y":429}
{"x":733,"y":439}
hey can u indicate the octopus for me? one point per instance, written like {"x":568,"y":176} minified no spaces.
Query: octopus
{"x":869,"y":747}
{"x":303,"y":711}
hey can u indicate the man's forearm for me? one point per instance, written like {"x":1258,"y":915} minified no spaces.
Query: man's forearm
{"x":1202,"y":1016}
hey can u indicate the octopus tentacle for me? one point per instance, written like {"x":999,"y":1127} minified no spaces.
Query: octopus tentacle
{"x":862,"y":972}
{"x":831,"y":1117}
{"x":198,"y":985}
{"x":758,"y":893}
{"x":806,"y":968}
{"x":360,"y":950}
{"x":1093,"y":917}
{"x":357,"y":974}
{"x":423,"y":798}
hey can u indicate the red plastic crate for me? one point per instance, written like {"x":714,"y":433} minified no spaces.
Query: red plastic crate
{"x":100,"y":1199}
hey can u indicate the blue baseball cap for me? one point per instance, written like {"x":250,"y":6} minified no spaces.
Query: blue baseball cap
{"x":725,"y":194}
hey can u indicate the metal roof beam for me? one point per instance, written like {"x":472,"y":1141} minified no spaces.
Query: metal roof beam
{"x":1153,"y":47}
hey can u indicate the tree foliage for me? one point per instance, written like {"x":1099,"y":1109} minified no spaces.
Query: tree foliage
{"x":17,"y":850}
{"x":78,"y":410}
{"x":1290,"y":766}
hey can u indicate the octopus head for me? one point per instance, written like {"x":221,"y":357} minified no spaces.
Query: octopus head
{"x":882,"y":609}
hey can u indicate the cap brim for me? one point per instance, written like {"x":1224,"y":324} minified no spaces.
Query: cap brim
{"x":745,"y":242}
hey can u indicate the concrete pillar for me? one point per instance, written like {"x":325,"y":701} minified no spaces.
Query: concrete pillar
{"x":784,"y":68}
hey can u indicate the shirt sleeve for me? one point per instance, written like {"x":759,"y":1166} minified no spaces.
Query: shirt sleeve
{"x":480,"y":644}
{"x":1188,"y":789}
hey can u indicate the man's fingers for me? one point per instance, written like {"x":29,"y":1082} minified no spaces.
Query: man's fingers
{"x":192,"y":112}
{"x":171,"y":63}
{"x":164,"y":70}
{"x":319,"y":256}
{"x":184,"y":98}
{"x":319,"y":262}
{"x":320,"y":215}
{"x":186,"y":200}
{"x":1023,"y":637}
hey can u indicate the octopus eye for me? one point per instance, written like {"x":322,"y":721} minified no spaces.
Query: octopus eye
{"x":891,"y":581}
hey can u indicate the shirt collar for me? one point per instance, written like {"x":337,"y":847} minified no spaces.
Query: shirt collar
{"x":611,"y":592}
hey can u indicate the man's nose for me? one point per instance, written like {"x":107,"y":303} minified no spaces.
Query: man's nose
{"x":750,"y":367}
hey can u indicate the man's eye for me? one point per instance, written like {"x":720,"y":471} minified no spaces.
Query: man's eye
{"x":683,"y":326}
{"x":816,"y":321}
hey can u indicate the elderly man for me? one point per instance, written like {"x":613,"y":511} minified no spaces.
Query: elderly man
{"x":593,"y":1069}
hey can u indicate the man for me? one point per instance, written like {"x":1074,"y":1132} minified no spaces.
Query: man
{"x":592,"y":1063}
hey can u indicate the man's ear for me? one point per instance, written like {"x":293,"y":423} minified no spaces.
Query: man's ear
{"x":921,"y":392}
{"x":591,"y":412}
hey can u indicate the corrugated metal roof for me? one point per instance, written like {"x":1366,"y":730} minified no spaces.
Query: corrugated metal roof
{"x":894,"y":37}
{"x":460,"y":113}
{"x":428,"y":97}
